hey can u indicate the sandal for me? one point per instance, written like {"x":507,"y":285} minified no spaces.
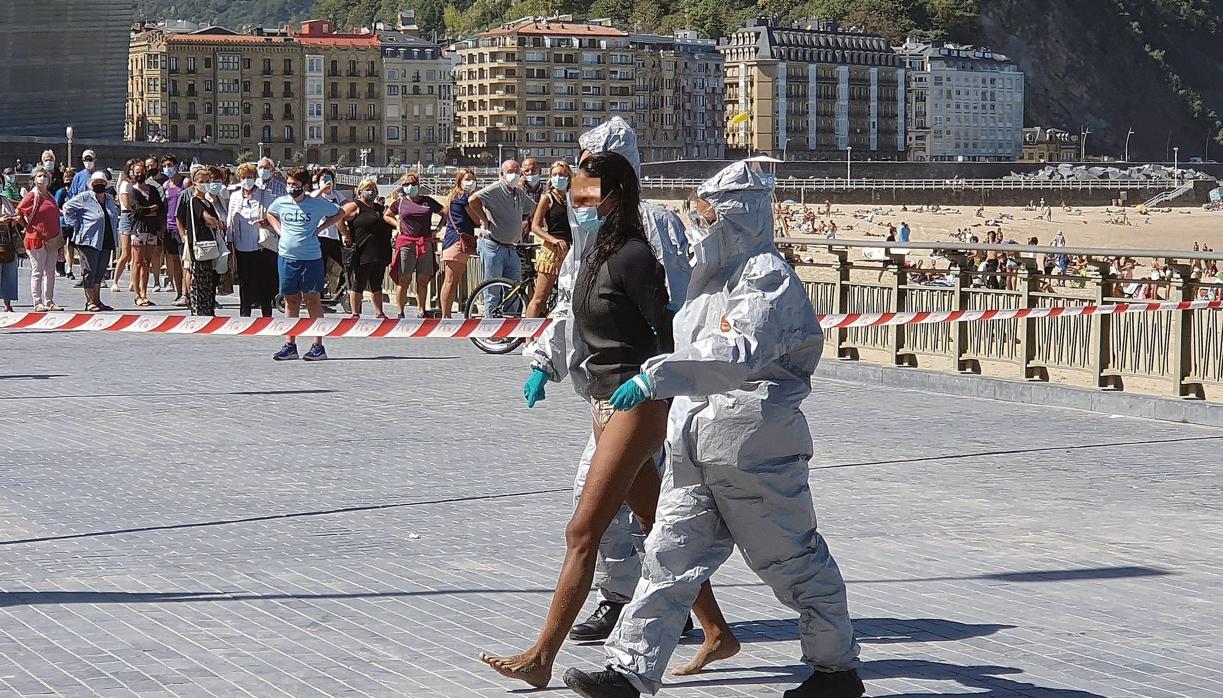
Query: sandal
{"x":107,"y":309}
{"x":93,"y":308}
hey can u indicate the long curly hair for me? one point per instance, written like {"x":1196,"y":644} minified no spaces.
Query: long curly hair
{"x":618,"y":181}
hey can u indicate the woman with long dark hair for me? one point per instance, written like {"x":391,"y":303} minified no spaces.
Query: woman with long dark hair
{"x":619,"y":307}
{"x":459,"y":244}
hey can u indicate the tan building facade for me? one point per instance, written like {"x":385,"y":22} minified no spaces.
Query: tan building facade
{"x":296,"y":97}
{"x":812,"y":91}
{"x":419,"y":99}
{"x":529,"y":88}
{"x":1050,"y":145}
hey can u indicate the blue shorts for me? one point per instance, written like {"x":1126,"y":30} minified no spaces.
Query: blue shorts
{"x":301,"y":276}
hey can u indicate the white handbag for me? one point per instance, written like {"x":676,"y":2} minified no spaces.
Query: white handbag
{"x":202,"y":250}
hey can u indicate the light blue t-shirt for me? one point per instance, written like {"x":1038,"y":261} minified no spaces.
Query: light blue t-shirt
{"x":904,"y":233}
{"x":299,"y":223}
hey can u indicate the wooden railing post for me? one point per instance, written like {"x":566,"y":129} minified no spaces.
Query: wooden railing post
{"x":1181,"y":345}
{"x":899,"y":305}
{"x":1100,"y":353}
{"x":961,"y":266}
{"x":840,"y":298}
{"x":1028,"y":284}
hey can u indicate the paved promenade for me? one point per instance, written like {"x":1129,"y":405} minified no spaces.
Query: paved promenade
{"x":182,"y":516}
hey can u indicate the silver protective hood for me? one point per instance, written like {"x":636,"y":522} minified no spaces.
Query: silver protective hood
{"x":743,"y":200}
{"x":615,"y":135}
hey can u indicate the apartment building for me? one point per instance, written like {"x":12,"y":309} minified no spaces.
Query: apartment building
{"x":418,"y":98}
{"x":812,"y":91}
{"x":679,"y":100}
{"x":1042,"y":144}
{"x":530,"y":87}
{"x":312,"y":95}
{"x":964,"y":103}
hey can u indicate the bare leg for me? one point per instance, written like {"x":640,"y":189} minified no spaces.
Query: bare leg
{"x":314,"y":308}
{"x":377,"y":297}
{"x":628,"y":441}
{"x":543,"y":287}
{"x":355,"y":299}
{"x":401,"y":295}
{"x":292,"y":310}
{"x":422,"y":292}
{"x":455,"y":269}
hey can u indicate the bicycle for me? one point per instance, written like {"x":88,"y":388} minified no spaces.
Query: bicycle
{"x":514,"y":297}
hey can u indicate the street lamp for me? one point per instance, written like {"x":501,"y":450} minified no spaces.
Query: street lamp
{"x":849,"y":162}
{"x":260,"y":150}
{"x":68,"y":133}
{"x":365,"y":160}
{"x":500,"y":159}
{"x":1127,"y":145}
{"x":1176,"y":163}
{"x":785,"y":147}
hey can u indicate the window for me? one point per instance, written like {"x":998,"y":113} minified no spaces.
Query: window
{"x":207,"y":63}
{"x":314,"y":65}
{"x":267,"y":66}
{"x":392,"y":74}
{"x":335,"y":113}
{"x":267,"y":134}
{"x":246,"y":128}
{"x":207,"y":107}
{"x":288,"y":89}
{"x":416,"y":133}
{"x":154,"y":107}
{"x":314,"y":109}
{"x":429,"y":109}
{"x":371,"y":134}
{"x":246,"y":86}
{"x":190,"y":64}
{"x":246,"y":65}
{"x":173,"y":64}
{"x":288,"y":133}
{"x":315,"y":133}
{"x":333,"y":72}
{"x":228,"y":61}
{"x":371,"y":111}
{"x":352,"y":111}
{"x":208,"y":131}
{"x":227,"y":108}
{"x":429,"y":134}
{"x":229,"y":132}
{"x":335,"y":136}
{"x":288,"y":66}
{"x":392,"y":90}
{"x":392,"y":133}
{"x":208,"y":86}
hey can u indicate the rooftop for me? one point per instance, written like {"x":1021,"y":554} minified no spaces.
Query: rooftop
{"x":562,"y":25}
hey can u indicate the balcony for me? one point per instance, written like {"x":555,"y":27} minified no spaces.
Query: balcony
{"x":352,"y":73}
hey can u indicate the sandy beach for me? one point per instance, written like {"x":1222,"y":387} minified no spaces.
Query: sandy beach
{"x":1172,"y":229}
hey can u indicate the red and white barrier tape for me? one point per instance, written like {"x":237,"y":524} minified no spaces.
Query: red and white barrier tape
{"x":502,"y":328}
{"x":829,"y":322}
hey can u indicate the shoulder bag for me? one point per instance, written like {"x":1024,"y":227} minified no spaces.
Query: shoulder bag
{"x":202,"y":250}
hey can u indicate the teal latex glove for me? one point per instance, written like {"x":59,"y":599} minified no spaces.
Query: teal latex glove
{"x":631,"y":393}
{"x":533,"y":389}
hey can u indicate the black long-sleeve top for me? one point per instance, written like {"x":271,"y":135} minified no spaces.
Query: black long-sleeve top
{"x":621,"y":316}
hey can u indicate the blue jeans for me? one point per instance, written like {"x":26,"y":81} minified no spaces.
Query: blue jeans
{"x":498,"y":261}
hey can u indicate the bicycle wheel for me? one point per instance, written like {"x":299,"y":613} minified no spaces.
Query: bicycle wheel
{"x":498,"y":298}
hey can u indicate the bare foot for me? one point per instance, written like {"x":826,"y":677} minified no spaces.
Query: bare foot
{"x":528,"y":667}
{"x":711,"y":651}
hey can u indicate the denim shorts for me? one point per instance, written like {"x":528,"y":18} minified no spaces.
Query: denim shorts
{"x":301,"y":276}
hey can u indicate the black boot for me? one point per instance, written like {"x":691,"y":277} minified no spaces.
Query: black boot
{"x":601,"y":684}
{"x":837,"y":684}
{"x":600,"y":623}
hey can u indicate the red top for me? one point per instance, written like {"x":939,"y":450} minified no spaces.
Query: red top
{"x":42,"y":219}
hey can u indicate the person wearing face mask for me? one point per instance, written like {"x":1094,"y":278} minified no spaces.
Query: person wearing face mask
{"x":329,"y":237}
{"x":172,"y":241}
{"x":298,"y":219}
{"x":266,"y":179}
{"x":10,"y":238}
{"x":551,"y":225}
{"x":123,"y":198}
{"x":94,"y":218}
{"x":9,"y":188}
{"x":43,"y":240}
{"x":80,"y":181}
{"x":369,"y":237}
{"x":619,"y":307}
{"x":155,"y":177}
{"x":68,"y":254}
{"x":532,"y":182}
{"x":55,"y":174}
{"x":559,"y":352}
{"x":199,"y":221}
{"x":746,"y":344}
{"x":459,"y":242}
{"x":502,"y":209}
{"x":411,"y":215}
{"x":247,"y":216}
{"x":148,"y":220}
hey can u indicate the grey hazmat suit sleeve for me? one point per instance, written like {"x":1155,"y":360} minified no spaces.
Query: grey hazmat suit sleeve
{"x":757,"y":328}
{"x":665,"y":232}
{"x":550,"y":351}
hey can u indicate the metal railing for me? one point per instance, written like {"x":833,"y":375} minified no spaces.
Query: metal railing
{"x":1165,"y":353}
{"x":856,"y":184}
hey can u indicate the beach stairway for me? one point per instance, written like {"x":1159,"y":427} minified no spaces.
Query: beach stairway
{"x":1170,"y":195}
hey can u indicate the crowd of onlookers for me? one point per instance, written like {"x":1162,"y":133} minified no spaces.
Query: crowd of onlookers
{"x":291,"y":237}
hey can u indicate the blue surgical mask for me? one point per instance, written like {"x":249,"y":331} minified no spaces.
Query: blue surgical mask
{"x":560,"y":182}
{"x":532,"y":179}
{"x":169,"y":171}
{"x":216,"y":187}
{"x":589,"y":219}
{"x":264,"y":174}
{"x":412,"y":190}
